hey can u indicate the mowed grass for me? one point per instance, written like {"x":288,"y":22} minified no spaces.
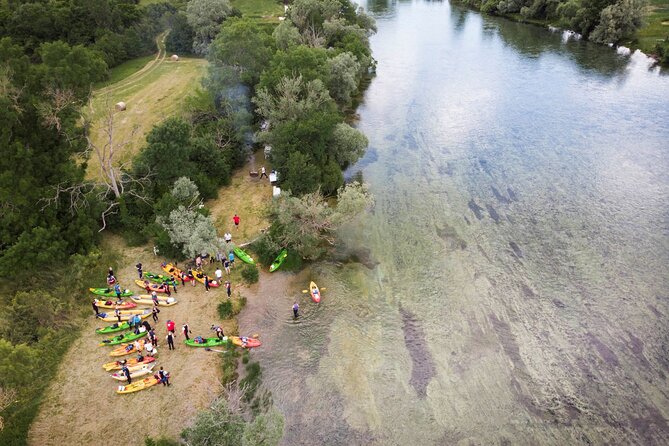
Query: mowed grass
{"x":656,"y":26}
{"x":151,"y":97}
{"x":124,"y":70}
{"x":262,"y":10}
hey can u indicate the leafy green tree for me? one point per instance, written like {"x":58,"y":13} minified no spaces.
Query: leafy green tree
{"x":181,"y":36}
{"x":303,"y":61}
{"x":205,"y":18}
{"x":348,"y":144}
{"x":265,"y":430}
{"x":344,"y":77}
{"x":216,"y":427}
{"x":618,"y":20}
{"x":190,"y":231}
{"x":308,"y":225}
{"x":243,"y":45}
{"x":286,"y":35}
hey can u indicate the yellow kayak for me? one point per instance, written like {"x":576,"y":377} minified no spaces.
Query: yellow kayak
{"x":111,"y":317}
{"x":245,"y":342}
{"x":142,"y":371}
{"x":137,"y":386}
{"x":132,"y":362}
{"x":315,"y":292}
{"x":127,"y":349}
{"x":146,"y":299}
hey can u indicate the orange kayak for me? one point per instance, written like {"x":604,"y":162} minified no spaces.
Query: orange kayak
{"x":245,"y":342}
{"x":138,"y":385}
{"x":152,"y":286}
{"x":200,"y":278}
{"x":126,"y":349}
{"x":315,"y":292}
{"x":124,"y":305}
{"x":174,"y":271}
{"x":132,"y":362}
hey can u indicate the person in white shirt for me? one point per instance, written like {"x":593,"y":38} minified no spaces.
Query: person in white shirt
{"x":219,"y":275}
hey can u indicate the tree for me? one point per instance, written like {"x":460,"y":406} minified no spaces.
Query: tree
{"x":344,"y":77}
{"x":181,"y":36}
{"x":265,"y":430}
{"x":243,"y":45}
{"x":348,"y":144}
{"x":307,"y":63}
{"x":307,"y":225}
{"x":295,"y":99}
{"x":618,"y":20}
{"x":205,"y":18}
{"x":286,"y":35}
{"x":190,"y":231}
{"x":215,"y":427}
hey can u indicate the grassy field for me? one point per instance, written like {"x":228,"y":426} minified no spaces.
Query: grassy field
{"x":656,"y":27}
{"x":262,"y":10}
{"x":152,"y":94}
{"x":124,"y":70}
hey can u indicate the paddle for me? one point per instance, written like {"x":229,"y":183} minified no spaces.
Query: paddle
{"x":306,"y":291}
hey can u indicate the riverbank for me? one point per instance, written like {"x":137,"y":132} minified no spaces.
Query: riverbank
{"x":655,"y":29}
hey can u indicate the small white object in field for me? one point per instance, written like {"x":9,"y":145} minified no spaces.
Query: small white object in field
{"x":174,"y":58}
{"x":120,"y":106}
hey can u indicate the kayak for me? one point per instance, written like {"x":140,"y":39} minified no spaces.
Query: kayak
{"x":315,"y":292}
{"x":152,"y":286}
{"x":243,"y":255}
{"x":142,"y":371}
{"x":124,"y":305}
{"x":209,"y":342}
{"x":109,"y":292}
{"x":139,"y":385}
{"x":174,"y":272}
{"x":132,"y":362}
{"x":111,"y":317}
{"x":125,"y":337}
{"x":146,"y":299}
{"x":247,"y":343}
{"x":278,"y":261}
{"x":158,"y":278}
{"x":200,"y":278}
{"x":113,"y":328}
{"x":126,"y":349}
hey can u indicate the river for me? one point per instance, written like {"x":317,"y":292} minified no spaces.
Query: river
{"x":515,"y":283}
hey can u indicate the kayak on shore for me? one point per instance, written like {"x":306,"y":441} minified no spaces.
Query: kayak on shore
{"x":278,"y":261}
{"x":239,"y":252}
{"x":113,"y":328}
{"x":125,"y":315}
{"x":174,"y":271}
{"x":142,"y":371}
{"x":125,"y":337}
{"x":123,"y":305}
{"x":126,"y":349}
{"x":245,"y":342}
{"x":158,"y":278}
{"x":199,"y":276}
{"x":208,"y":342}
{"x":132,"y":362}
{"x":109,"y":292}
{"x":146,"y":299}
{"x":152,"y":286}
{"x":138,"y":385}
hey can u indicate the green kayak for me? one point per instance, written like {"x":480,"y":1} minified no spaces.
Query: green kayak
{"x":113,"y":328}
{"x":244,"y":256}
{"x":109,"y":292}
{"x":125,"y":337}
{"x":278,"y":261}
{"x":158,"y":278}
{"x":209,"y":342}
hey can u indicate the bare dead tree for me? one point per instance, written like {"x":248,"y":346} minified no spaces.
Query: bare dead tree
{"x":8,"y":90}
{"x":52,"y":109}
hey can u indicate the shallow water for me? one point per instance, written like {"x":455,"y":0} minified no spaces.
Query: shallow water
{"x":521,"y":294}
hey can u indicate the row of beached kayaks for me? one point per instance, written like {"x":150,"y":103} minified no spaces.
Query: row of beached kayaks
{"x":243,"y":341}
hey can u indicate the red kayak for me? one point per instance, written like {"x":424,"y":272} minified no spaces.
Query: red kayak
{"x":245,"y":342}
{"x":152,"y":286}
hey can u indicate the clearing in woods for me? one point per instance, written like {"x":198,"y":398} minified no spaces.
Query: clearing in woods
{"x":151,"y":94}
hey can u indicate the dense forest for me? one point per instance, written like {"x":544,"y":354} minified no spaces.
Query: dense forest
{"x":302,"y":76}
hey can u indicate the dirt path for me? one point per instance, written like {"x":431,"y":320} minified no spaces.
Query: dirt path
{"x":81,"y":406}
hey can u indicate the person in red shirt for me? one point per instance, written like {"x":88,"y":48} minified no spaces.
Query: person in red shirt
{"x":236,"y":220}
{"x":170,"y":326}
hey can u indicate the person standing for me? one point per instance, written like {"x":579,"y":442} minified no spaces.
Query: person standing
{"x":185,"y":329}
{"x":206,"y":283}
{"x":126,"y":372}
{"x":183,"y":279}
{"x":154,"y":298}
{"x":139,"y":270}
{"x":198,"y":263}
{"x":170,"y":340}
{"x":228,"y":237}
{"x":170,"y":326}
{"x":154,"y":313}
{"x":117,"y":290}
{"x":263,"y":173}
{"x":111,"y":272}
{"x":166,"y":287}
{"x":219,"y":275}
{"x":191,"y":277}
{"x":152,"y":337}
{"x":236,"y":220}
{"x":226,"y":265}
{"x":296,"y":309}
{"x":219,"y":331}
{"x":117,"y":312}
{"x":228,"y":288}
{"x":95,"y":307}
{"x":174,"y":285}
{"x":231,"y":258}
{"x":164,"y":377}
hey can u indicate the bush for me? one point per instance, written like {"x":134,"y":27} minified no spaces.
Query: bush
{"x":250,"y":274}
{"x":162,"y":441}
{"x":251,"y":381}
{"x":225,"y":309}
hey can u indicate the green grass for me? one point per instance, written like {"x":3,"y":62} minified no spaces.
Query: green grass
{"x":262,"y":10}
{"x":127,"y":68}
{"x":654,"y":29}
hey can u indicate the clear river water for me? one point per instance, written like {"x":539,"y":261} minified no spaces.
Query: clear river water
{"x":513,"y":282}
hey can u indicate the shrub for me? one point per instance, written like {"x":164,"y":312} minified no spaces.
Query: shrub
{"x":225,"y":310}
{"x":250,"y":274}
